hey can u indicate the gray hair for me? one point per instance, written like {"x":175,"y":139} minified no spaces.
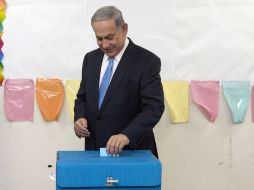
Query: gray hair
{"x":107,"y":13}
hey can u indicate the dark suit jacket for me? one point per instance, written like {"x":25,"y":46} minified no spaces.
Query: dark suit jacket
{"x":133,"y":103}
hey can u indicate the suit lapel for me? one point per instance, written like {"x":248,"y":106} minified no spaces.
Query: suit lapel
{"x":123,"y":66}
{"x":95,"y":73}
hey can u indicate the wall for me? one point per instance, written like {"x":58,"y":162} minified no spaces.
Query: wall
{"x":195,"y":39}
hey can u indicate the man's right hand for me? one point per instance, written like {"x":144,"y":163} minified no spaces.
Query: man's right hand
{"x":81,"y":128}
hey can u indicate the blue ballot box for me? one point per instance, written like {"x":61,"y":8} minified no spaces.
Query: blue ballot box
{"x":86,"y":170}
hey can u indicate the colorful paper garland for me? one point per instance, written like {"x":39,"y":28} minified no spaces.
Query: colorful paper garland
{"x":2,"y":17}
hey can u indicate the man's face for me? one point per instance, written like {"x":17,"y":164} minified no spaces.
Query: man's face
{"x":110,"y":38}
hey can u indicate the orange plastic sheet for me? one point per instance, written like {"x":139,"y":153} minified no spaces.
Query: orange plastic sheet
{"x":19,"y":99}
{"x":72,"y":87}
{"x":177,"y":98}
{"x":206,"y":95}
{"x":50,"y":97}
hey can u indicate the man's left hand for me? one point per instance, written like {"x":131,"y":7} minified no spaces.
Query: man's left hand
{"x":116,"y":143}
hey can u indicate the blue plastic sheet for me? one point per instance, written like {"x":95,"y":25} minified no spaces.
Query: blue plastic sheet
{"x":237,"y":94}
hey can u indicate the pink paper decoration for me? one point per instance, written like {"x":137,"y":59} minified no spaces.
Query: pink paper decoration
{"x":19,"y":99}
{"x":206,"y":95}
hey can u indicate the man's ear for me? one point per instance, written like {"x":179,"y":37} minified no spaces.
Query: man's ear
{"x":125,"y":29}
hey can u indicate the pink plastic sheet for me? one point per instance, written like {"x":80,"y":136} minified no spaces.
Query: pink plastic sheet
{"x":206,"y":95}
{"x":19,"y":99}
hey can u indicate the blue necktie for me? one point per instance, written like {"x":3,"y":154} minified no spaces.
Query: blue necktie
{"x":105,"y":81}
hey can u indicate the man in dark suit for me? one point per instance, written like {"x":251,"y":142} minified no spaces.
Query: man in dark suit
{"x":120,"y":98}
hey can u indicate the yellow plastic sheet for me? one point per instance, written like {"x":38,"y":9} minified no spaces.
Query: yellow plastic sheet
{"x":49,"y":97}
{"x":1,"y":78}
{"x":177,"y":98}
{"x":2,"y":15}
{"x":72,"y":87}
